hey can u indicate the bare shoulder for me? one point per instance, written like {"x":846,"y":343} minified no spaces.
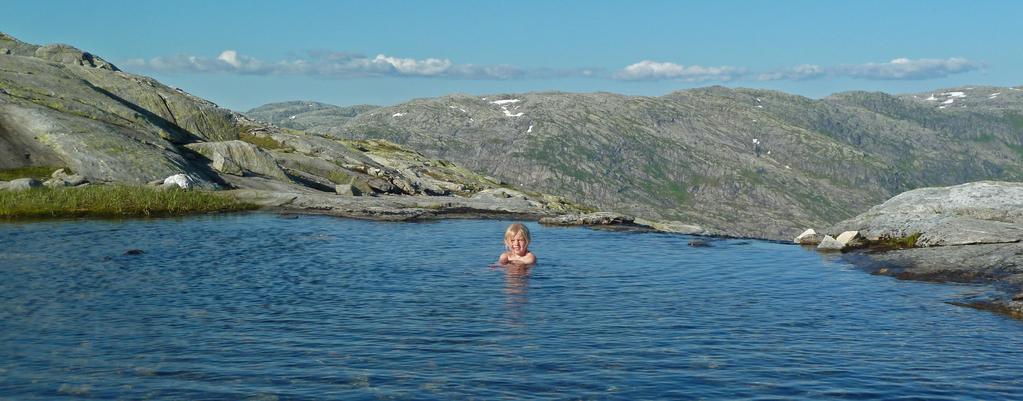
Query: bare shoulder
{"x":503,"y":259}
{"x":529,"y":259}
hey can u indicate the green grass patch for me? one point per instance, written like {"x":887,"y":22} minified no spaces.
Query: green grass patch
{"x":898,"y":243}
{"x":1015,"y":148}
{"x":37,"y":172}
{"x":983,"y":138}
{"x":113,"y":201}
{"x":1015,"y":120}
{"x":262,"y":141}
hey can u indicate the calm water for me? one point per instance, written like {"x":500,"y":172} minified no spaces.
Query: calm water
{"x":264,"y":308}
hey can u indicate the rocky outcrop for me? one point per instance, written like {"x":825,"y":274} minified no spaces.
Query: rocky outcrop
{"x":67,"y":54}
{"x":964,"y":233}
{"x":975,"y":213}
{"x":239,"y":158}
{"x":590,"y":219}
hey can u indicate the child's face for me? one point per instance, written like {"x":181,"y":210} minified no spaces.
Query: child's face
{"x":517,"y":244}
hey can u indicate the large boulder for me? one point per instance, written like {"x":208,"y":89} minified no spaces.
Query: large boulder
{"x":975,"y":213}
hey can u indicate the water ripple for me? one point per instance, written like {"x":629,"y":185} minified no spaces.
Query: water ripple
{"x":256,"y":307}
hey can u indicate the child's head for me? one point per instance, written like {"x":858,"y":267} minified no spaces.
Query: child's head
{"x":516,"y":234}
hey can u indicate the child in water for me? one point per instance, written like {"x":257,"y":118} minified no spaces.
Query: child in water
{"x":516,"y":240}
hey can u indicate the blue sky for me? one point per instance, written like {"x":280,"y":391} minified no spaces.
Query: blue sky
{"x":242,"y":54}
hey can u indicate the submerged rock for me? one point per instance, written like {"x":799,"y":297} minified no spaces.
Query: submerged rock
{"x":698,"y":243}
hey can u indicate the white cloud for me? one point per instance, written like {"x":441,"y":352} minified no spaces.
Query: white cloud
{"x":350,"y":65}
{"x":904,"y":68}
{"x":797,"y":73}
{"x":897,"y":69}
{"x":653,"y":70}
{"x":338,"y":65}
{"x":230,"y":57}
{"x":409,"y":66}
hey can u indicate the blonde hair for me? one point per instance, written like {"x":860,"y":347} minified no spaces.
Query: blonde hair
{"x":516,"y":229}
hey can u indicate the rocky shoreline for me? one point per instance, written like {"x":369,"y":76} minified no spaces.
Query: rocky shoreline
{"x":968,"y":233}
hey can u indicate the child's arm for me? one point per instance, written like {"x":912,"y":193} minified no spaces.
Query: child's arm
{"x":529,"y":258}
{"x":503,"y":260}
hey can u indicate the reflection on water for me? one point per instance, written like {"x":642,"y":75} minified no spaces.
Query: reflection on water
{"x":516,"y":279}
{"x":257,"y":307}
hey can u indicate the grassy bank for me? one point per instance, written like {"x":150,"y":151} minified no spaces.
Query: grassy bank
{"x":112,"y":201}
{"x":39,"y":173}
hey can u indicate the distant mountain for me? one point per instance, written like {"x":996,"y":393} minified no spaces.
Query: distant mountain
{"x":313,"y":116}
{"x":736,"y":161}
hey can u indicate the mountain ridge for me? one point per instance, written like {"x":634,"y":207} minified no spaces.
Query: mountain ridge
{"x":741,"y":162}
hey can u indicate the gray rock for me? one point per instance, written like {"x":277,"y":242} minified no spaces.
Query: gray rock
{"x":183,"y":181}
{"x":829,"y":243}
{"x":236,"y":157}
{"x":346,"y":190}
{"x":974,"y":213}
{"x":809,"y":237}
{"x":61,"y":178}
{"x":847,"y":237}
{"x":589,"y":219}
{"x":676,"y":227}
{"x":22,"y":184}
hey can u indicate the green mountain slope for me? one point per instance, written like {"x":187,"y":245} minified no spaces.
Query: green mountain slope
{"x":312,"y":116}
{"x":736,"y":161}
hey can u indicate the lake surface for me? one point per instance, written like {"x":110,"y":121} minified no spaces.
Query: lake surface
{"x":260,"y":307}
